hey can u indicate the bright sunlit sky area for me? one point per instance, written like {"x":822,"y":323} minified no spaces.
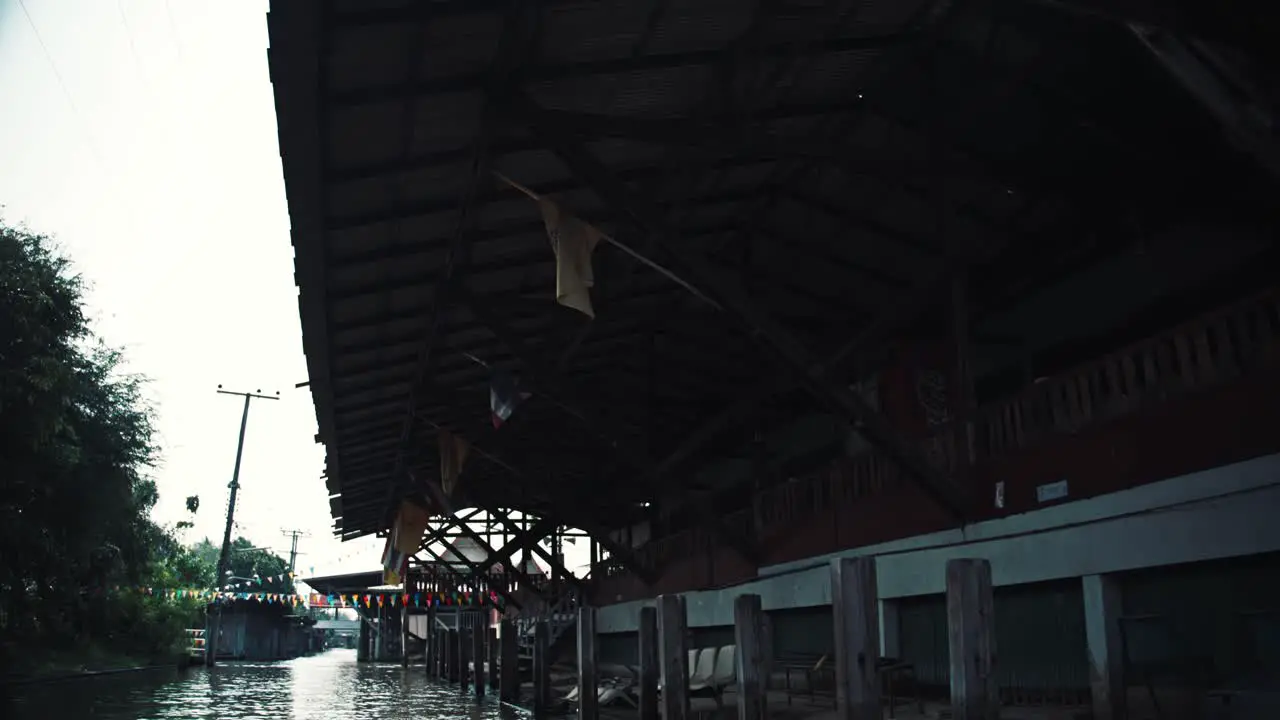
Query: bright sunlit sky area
{"x":141,"y":134}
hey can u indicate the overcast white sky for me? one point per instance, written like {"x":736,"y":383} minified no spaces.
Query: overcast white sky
{"x":142,"y":135}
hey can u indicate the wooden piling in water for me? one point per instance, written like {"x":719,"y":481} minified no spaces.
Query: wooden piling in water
{"x":673,"y":657}
{"x":464,"y":653}
{"x":404,"y":630}
{"x":451,"y":654}
{"x":648,"y":646}
{"x":477,"y":647}
{"x":750,"y":633}
{"x":541,"y":668}
{"x":856,"y":621}
{"x":492,"y":637}
{"x":509,"y":684}
{"x":971,"y":639}
{"x":429,"y":642}
{"x":588,"y":652}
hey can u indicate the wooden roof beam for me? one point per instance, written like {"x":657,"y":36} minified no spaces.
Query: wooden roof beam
{"x":553,"y":385}
{"x":811,"y":374}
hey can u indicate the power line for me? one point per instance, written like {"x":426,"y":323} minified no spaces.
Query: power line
{"x":85,"y":126}
{"x":173,"y":29}
{"x":75,"y":109}
{"x":133,"y":47}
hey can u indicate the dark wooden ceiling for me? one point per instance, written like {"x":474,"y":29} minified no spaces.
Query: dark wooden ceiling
{"x":818,"y":168}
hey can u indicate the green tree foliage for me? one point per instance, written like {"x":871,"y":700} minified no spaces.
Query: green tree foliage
{"x":252,"y":569}
{"x":75,"y":499}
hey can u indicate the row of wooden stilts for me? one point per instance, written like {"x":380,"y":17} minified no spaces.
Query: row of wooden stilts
{"x":458,"y":655}
{"x":479,"y":658}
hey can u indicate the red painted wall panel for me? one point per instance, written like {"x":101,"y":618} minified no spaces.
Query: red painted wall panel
{"x":1195,"y":431}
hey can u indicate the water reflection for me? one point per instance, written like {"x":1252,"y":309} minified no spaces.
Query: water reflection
{"x":331,"y":686}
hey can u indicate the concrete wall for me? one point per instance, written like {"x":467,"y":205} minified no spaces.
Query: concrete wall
{"x":1223,"y":512}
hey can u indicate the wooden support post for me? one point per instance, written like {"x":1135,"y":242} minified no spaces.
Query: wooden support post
{"x":464,"y":652}
{"x":750,"y":634}
{"x":404,"y":632}
{"x":588,"y":652}
{"x":492,"y":636}
{"x":673,"y":657}
{"x":648,"y":643}
{"x":437,"y":655}
{"x":362,"y":642}
{"x":509,"y":690}
{"x":971,"y":636}
{"x":452,"y":649}
{"x":856,"y":620}
{"x":446,"y":656}
{"x":477,"y":647}
{"x":1102,"y":609}
{"x":429,"y":644}
{"x":541,"y":668}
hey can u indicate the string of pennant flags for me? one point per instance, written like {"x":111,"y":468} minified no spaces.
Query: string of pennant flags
{"x":356,"y":600}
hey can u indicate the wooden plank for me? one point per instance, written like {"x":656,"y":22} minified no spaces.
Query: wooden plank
{"x":648,"y":645}
{"x":1131,"y":389}
{"x":1186,"y":366}
{"x":541,"y":668}
{"x":492,"y":637}
{"x":750,"y":635}
{"x":588,"y":654}
{"x":673,"y":658}
{"x":1227,"y":363}
{"x":971,"y":640}
{"x":856,"y":622}
{"x":1206,"y":368}
{"x":478,"y":635}
{"x":509,"y":638}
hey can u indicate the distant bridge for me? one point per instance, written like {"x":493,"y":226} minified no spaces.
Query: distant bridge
{"x":339,"y":625}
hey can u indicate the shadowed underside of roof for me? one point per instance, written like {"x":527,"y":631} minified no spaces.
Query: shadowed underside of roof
{"x":831,"y":162}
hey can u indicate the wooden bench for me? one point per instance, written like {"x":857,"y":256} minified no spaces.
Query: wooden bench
{"x":819,"y":674}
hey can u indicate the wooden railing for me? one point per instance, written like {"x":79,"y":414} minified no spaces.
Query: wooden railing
{"x":1197,"y":355}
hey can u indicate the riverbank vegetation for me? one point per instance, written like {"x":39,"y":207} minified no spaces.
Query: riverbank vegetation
{"x":82,"y":561}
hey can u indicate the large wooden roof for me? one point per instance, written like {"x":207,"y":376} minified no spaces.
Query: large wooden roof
{"x":815,"y":171}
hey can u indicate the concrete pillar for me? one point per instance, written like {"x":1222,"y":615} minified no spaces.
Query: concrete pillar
{"x":1102,"y":609}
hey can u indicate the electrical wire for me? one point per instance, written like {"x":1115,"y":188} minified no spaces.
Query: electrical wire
{"x":97,"y":154}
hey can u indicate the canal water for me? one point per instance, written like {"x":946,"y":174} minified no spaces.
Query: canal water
{"x":329,"y":686}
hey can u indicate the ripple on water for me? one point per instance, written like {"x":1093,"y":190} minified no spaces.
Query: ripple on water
{"x":329,"y":686}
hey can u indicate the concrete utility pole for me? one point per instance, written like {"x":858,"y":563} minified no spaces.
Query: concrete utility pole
{"x":293,"y":547}
{"x":211,"y":641}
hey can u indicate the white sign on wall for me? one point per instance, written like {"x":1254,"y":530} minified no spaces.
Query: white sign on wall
{"x":1052,"y":491}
